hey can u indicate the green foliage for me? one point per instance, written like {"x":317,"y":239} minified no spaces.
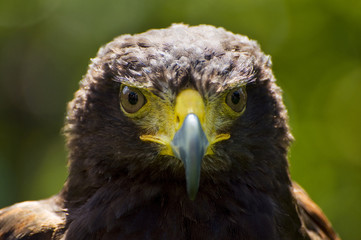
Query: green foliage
{"x":45,"y":46}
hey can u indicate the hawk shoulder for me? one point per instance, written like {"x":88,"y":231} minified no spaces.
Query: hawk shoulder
{"x":30,"y":220}
{"x":314,"y":220}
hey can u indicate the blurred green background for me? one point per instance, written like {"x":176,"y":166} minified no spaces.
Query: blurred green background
{"x":45,"y":47}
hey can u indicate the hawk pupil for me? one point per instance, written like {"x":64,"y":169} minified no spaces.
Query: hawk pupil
{"x":236,"y":97}
{"x":133,"y":98}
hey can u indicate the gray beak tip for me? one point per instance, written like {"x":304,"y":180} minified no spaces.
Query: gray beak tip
{"x":190,"y":145}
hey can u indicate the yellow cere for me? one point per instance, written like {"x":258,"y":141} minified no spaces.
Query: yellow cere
{"x":189,"y":101}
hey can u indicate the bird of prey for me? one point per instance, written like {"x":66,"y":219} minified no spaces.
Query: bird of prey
{"x":176,"y":133}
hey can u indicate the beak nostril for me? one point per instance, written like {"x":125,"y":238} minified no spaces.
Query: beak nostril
{"x":177,"y":119}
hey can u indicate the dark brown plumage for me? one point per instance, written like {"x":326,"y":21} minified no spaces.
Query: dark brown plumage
{"x":123,"y":184}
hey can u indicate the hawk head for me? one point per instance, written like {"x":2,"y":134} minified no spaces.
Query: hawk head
{"x":184,"y":104}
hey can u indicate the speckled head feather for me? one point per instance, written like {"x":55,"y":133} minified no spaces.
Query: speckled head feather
{"x":206,"y":58}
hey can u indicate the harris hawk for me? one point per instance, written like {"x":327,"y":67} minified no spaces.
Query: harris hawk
{"x":176,"y":133}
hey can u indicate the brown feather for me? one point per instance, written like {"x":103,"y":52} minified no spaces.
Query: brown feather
{"x":43,"y":219}
{"x":312,"y":216}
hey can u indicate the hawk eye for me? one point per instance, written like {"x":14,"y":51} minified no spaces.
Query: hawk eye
{"x":236,"y":99}
{"x":131,"y":99}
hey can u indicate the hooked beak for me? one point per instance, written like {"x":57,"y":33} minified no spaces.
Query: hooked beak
{"x":187,"y":137}
{"x":190,"y":144}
